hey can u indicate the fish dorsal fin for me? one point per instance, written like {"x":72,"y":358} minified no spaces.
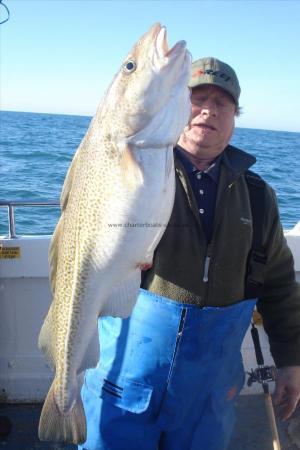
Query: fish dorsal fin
{"x":92,"y":353}
{"x":54,"y":245}
{"x":66,"y":189}
{"x":53,"y":254}
{"x":131,"y":170}
{"x":45,"y":341}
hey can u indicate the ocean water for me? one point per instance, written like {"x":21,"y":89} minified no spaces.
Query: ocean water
{"x":36,"y":150}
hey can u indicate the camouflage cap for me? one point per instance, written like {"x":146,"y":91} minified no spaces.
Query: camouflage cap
{"x":213,"y":71}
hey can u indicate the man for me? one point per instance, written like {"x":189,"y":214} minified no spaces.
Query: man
{"x":169,"y":375}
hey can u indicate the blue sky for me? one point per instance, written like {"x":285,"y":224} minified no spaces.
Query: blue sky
{"x":58,"y":56}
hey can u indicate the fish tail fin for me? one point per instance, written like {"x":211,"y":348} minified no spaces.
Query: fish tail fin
{"x":59,"y":427}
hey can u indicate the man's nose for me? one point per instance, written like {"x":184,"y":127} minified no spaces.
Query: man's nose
{"x":209,"y":108}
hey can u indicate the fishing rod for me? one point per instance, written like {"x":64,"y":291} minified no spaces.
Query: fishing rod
{"x":264,"y":375}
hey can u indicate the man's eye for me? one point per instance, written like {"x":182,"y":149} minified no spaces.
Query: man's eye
{"x":221,"y":103}
{"x":198,"y":101}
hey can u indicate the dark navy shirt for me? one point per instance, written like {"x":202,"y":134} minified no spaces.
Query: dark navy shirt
{"x":204,"y":185}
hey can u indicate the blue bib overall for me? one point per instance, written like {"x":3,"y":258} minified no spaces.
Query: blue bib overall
{"x":167,"y":378}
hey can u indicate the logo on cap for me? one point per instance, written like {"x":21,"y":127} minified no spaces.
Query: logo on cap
{"x":215,"y":73}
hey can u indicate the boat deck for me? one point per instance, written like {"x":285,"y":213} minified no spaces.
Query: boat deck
{"x":252,"y":430}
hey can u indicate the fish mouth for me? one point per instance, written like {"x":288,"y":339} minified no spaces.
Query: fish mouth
{"x":161,"y":43}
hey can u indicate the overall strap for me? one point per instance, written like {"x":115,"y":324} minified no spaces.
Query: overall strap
{"x":257,"y":256}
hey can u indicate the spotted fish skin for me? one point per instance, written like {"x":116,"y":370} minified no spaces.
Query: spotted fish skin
{"x":116,"y":201}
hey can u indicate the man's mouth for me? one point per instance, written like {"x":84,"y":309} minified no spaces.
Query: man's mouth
{"x":205,"y":125}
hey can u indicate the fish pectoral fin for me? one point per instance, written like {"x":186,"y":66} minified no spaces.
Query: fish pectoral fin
{"x":58,"y":427}
{"x":122,"y":299}
{"x":92,"y":353}
{"x":45,"y":339}
{"x":131,"y":170}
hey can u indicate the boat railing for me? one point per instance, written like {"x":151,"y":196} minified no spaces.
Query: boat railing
{"x":12,"y":204}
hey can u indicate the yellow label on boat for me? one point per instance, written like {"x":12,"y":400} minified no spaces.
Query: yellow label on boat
{"x":10,"y":252}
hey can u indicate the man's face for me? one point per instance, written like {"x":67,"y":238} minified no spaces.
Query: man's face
{"x":212,"y":120}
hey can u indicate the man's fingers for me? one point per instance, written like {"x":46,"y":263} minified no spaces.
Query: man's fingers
{"x":287,"y":391}
{"x":286,"y":409}
{"x":286,"y":403}
{"x":279,"y":394}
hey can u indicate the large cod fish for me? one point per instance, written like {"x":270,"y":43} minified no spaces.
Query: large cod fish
{"x":120,"y":181}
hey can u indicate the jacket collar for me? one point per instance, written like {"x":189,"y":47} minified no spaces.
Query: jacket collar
{"x":234,"y":163}
{"x":237,"y":161}
{"x":212,"y":171}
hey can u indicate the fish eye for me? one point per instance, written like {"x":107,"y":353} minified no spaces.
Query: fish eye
{"x":129,"y":66}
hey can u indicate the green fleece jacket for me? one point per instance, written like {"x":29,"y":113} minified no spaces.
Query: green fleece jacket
{"x":187,"y":269}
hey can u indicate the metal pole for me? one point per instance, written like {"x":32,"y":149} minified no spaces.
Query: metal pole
{"x":11,"y":222}
{"x":12,"y":204}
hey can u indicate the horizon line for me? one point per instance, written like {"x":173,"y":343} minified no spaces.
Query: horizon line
{"x":91,"y":116}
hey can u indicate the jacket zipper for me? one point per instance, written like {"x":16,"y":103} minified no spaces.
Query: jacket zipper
{"x":206,"y":264}
{"x":206,"y":268}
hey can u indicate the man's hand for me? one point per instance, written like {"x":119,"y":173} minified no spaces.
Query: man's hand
{"x":287,"y":391}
